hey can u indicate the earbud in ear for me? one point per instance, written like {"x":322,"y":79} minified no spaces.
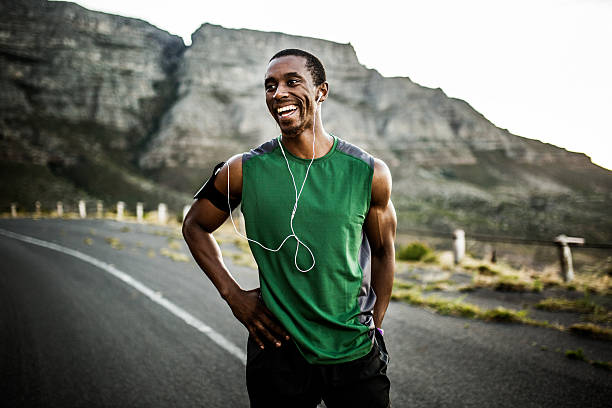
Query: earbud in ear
{"x":319,"y":97}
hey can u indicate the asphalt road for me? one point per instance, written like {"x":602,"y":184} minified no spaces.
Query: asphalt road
{"x":72,"y":334}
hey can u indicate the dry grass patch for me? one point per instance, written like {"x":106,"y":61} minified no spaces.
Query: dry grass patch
{"x":591,"y":330}
{"x":175,"y":256}
{"x":579,"y":355}
{"x":457,"y":307}
{"x":583,"y":305}
{"x":115,"y":243}
{"x":174,"y":244}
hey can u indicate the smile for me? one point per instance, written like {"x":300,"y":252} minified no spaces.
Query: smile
{"x":285,"y":111}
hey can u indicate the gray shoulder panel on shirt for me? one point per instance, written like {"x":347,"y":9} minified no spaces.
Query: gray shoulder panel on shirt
{"x":356,"y":152}
{"x":267,"y":147}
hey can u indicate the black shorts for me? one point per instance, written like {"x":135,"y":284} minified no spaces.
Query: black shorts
{"x":281,"y":377}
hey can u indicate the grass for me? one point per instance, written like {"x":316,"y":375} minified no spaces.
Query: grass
{"x":411,"y":293}
{"x":579,"y":355}
{"x":592,"y":311}
{"x":591,"y":330}
{"x":501,"y":277}
{"x":416,"y":251}
{"x":240,"y":258}
{"x":174,"y":244}
{"x":173,"y":233}
{"x":242,"y":244}
{"x":583,"y":305}
{"x":486,"y":270}
{"x":457,"y":307}
{"x":175,"y":256}
{"x":115,"y":243}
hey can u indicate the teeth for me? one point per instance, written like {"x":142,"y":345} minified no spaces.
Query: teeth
{"x":286,"y":108}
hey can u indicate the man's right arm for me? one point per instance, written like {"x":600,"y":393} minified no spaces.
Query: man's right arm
{"x":200,"y":222}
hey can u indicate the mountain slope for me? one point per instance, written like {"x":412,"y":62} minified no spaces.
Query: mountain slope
{"x":112,"y":107}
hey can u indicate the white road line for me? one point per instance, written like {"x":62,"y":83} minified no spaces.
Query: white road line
{"x":145,"y":290}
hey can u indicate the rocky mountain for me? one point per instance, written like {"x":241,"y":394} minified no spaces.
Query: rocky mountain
{"x":107,"y":106}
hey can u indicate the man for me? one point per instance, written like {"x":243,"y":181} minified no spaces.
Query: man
{"x":321,"y":227}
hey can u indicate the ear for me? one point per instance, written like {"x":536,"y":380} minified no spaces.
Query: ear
{"x":323,"y":92}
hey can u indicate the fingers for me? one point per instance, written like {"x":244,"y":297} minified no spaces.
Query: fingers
{"x":256,"y":338}
{"x":263,"y":331}
{"x":274,"y":326}
{"x":263,"y":327}
{"x":258,"y":319}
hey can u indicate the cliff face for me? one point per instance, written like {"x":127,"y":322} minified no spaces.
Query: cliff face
{"x":221,"y":106}
{"x":114,"y":108}
{"x":71,"y":77}
{"x":80,"y":92}
{"x":220,"y":111}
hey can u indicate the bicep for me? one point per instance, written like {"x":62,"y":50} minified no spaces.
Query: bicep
{"x":205,"y":215}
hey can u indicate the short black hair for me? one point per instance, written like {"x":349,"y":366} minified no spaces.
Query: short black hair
{"x":313,"y":64}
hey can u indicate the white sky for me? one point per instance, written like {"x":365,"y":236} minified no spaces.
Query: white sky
{"x":540,"y":68}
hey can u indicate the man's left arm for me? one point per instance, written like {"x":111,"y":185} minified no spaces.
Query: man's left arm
{"x":380,"y":227}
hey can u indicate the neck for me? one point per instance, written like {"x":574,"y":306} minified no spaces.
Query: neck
{"x":301,"y":145}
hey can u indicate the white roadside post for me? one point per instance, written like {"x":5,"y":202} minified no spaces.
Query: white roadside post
{"x":99,"y":209}
{"x":185,"y":211}
{"x":162,"y":213}
{"x":37,"y":209}
{"x":14,"y":210}
{"x":82,"y":209}
{"x":565,"y":255}
{"x":458,"y":245}
{"x":60,"y":209}
{"x":120,"y":207}
{"x":139,"y":212}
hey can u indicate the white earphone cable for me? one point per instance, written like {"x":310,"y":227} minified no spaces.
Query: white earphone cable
{"x":295,"y":205}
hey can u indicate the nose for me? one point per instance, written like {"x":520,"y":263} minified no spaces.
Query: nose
{"x":281,"y":92}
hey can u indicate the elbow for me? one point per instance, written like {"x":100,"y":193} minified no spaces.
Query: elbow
{"x":385,"y":251}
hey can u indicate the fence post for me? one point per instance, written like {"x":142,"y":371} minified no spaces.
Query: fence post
{"x":37,"y":209}
{"x":60,"y":209}
{"x":565,"y":255}
{"x":99,"y":209}
{"x":458,"y":245}
{"x":139,"y":212}
{"x":162,"y":213}
{"x":82,"y":209}
{"x":120,"y":207}
{"x":14,"y":210}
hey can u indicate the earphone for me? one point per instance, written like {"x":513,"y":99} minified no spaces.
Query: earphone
{"x":295,"y":205}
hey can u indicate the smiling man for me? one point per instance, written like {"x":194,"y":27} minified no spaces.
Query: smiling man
{"x":321,"y":227}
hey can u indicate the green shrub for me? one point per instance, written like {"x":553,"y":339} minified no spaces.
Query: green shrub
{"x":415,"y":251}
{"x":575,"y":354}
{"x":486,"y":270}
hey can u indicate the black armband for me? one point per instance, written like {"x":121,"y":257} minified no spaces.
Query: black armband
{"x":210,"y":192}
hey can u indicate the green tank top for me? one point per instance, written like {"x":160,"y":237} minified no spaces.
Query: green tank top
{"x":327,"y":310}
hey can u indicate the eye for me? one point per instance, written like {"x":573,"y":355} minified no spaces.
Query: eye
{"x":293,"y":82}
{"x":270,"y":87}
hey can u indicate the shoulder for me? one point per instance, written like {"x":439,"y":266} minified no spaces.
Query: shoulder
{"x":356,"y":152}
{"x":230,"y":176}
{"x":263,"y":149}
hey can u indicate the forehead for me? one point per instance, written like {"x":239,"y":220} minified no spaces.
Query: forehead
{"x":280,"y":67}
